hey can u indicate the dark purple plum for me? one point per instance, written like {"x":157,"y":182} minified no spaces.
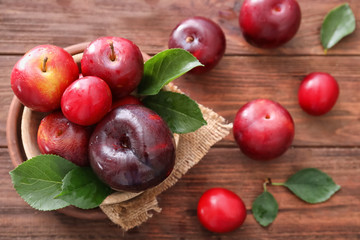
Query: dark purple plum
{"x":132,"y":149}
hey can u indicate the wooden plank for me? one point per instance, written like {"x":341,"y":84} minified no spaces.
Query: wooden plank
{"x":330,"y":143}
{"x":149,"y":23}
{"x":238,"y":80}
{"x":6,"y":94}
{"x":338,"y":218}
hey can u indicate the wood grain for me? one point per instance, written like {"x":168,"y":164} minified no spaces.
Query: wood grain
{"x":6,"y":94}
{"x":149,"y":24}
{"x":330,"y":142}
{"x":278,"y":78}
{"x":178,"y":217}
{"x":261,"y":77}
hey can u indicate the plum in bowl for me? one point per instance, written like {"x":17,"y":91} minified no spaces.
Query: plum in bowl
{"x":21,"y":131}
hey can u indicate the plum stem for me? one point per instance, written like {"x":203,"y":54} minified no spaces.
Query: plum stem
{"x":43,"y":68}
{"x":112,"y":56}
{"x":266,"y":182}
{"x":277,"y":8}
{"x":278,"y":184}
{"x":189,"y":39}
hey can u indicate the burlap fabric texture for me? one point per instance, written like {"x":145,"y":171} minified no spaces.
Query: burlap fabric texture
{"x":129,"y":210}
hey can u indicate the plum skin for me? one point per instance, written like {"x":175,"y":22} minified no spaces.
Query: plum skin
{"x":130,"y":99}
{"x":132,"y":149}
{"x":220,"y":210}
{"x":263,"y":129}
{"x":269,"y":23}
{"x":203,"y":38}
{"x":86,"y":101}
{"x":318,"y":93}
{"x":38,"y":89}
{"x":123,"y":73}
{"x":57,"y":135}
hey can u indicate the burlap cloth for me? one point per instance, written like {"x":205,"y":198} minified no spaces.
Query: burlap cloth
{"x":129,"y":210}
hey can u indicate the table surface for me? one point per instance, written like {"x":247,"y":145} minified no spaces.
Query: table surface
{"x":330,"y":142}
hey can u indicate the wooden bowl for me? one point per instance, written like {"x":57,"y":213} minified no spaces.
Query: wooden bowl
{"x":21,"y":134}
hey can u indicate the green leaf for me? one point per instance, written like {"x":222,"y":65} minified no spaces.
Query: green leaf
{"x":265,"y":208}
{"x":181,"y":113}
{"x":338,"y":23}
{"x":312,"y":185}
{"x":165,"y":67}
{"x":82,"y":188}
{"x":39,"y":179}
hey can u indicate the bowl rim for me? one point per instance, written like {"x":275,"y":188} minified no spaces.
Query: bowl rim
{"x":17,"y":152}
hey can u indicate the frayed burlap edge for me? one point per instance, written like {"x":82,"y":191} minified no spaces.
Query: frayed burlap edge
{"x":129,"y":210}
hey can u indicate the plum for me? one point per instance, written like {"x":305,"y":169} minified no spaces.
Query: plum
{"x":86,"y":101}
{"x":41,"y":76}
{"x":132,"y":149}
{"x":318,"y":93}
{"x":203,"y":38}
{"x":125,"y":100}
{"x":263,"y":129}
{"x":118,"y":61}
{"x":269,"y":23}
{"x":57,"y":135}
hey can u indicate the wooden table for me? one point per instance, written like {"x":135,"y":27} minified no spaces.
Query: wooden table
{"x":330,"y":142}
